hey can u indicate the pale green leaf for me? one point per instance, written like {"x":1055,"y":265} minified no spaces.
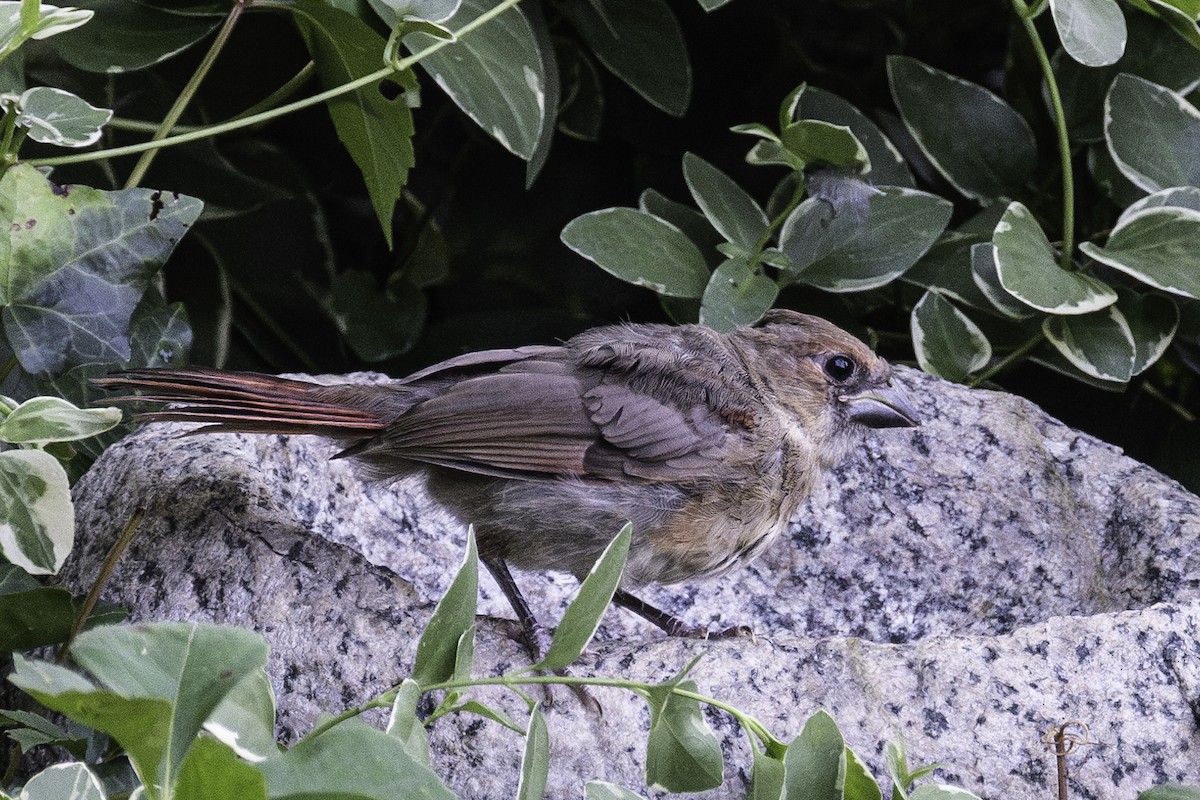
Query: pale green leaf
{"x":440,"y":643}
{"x":1026,"y":265}
{"x":1099,"y":344}
{"x":37,"y":519}
{"x":72,"y":781}
{"x":736,"y":295}
{"x":41,"y":420}
{"x":405,"y":725}
{"x":946,"y":341}
{"x":1153,"y":321}
{"x":244,"y":720}
{"x":54,"y":116}
{"x":1153,"y":134}
{"x":815,"y":763}
{"x":1158,"y":246}
{"x":859,"y":784}
{"x":1174,"y":197}
{"x":603,"y":790}
{"x":582,"y":617}
{"x":535,"y":761}
{"x":766,"y":777}
{"x":814,"y":142}
{"x":937,"y":791}
{"x":1171,"y":791}
{"x":732,"y":211}
{"x":851,"y":248}
{"x":888,"y":167}
{"x":496,"y":75}
{"x":987,"y":280}
{"x":639,"y":248}
{"x":125,"y":36}
{"x":1092,"y":31}
{"x":212,"y":771}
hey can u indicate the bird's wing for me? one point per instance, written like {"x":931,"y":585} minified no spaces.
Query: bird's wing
{"x":538,"y":415}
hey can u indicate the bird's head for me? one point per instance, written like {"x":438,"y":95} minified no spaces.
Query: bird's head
{"x":824,"y":378}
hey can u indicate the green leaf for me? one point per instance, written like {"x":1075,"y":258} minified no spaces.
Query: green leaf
{"x":64,"y":782}
{"x":1158,"y":246}
{"x":1153,"y":134}
{"x":987,"y":279}
{"x":487,"y":712}
{"x":212,"y":771}
{"x":859,"y":784}
{"x":41,"y":420}
{"x":405,"y":725}
{"x":351,"y":761}
{"x":766,"y":777}
{"x":1092,"y":31}
{"x":54,"y":116}
{"x":849,"y":249}
{"x":582,"y":617}
{"x":603,"y":790}
{"x":376,"y":131}
{"x":814,"y":142}
{"x":125,"y":36}
{"x":1171,"y":791}
{"x":945,"y":339}
{"x":682,"y":754}
{"x":1099,"y":344}
{"x":1174,"y":197}
{"x":244,"y":720}
{"x":641,"y":43}
{"x":74,"y":263}
{"x":377,"y":323}
{"x":1153,"y":321}
{"x":983,"y":147}
{"x":732,"y":211}
{"x":454,"y":616}
{"x":888,"y":167}
{"x":37,"y":520}
{"x":947,"y":267}
{"x":496,"y":75}
{"x":815,"y":762}
{"x":535,"y":762}
{"x":159,"y":334}
{"x":1026,"y":265}
{"x":641,"y":249}
{"x":737,"y":294}
{"x":938,"y":791}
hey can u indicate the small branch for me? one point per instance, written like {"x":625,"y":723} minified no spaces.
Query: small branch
{"x":1010,"y":359}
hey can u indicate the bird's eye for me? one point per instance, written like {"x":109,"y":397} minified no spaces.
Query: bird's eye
{"x":840,"y":368}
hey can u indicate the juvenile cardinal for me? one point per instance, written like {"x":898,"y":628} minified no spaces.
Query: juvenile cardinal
{"x":707,"y":442}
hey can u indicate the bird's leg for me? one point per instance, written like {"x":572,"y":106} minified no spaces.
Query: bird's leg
{"x":536,"y":637}
{"x":672,"y":625}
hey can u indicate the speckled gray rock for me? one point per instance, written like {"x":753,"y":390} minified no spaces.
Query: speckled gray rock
{"x":965,"y":585}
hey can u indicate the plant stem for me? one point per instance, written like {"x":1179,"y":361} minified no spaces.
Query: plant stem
{"x":1010,"y":359}
{"x":747,"y":721}
{"x":189,"y":91}
{"x":256,"y":119}
{"x":1026,"y":14}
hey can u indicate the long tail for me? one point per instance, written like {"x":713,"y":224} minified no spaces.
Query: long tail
{"x":248,"y":402}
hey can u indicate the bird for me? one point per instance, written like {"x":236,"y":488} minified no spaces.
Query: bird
{"x":706,"y":442}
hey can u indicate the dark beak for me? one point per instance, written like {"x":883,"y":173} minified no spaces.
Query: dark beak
{"x":880,"y":408}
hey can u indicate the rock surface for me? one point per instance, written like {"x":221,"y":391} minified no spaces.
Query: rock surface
{"x":964,"y":585}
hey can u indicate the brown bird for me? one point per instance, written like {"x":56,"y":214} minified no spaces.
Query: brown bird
{"x":707,"y":442}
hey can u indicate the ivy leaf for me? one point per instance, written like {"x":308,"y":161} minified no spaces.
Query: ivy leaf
{"x":732,"y":211}
{"x":983,"y":147}
{"x":75,"y":262}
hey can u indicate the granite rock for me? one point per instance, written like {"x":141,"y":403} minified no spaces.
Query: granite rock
{"x":964,"y":586}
